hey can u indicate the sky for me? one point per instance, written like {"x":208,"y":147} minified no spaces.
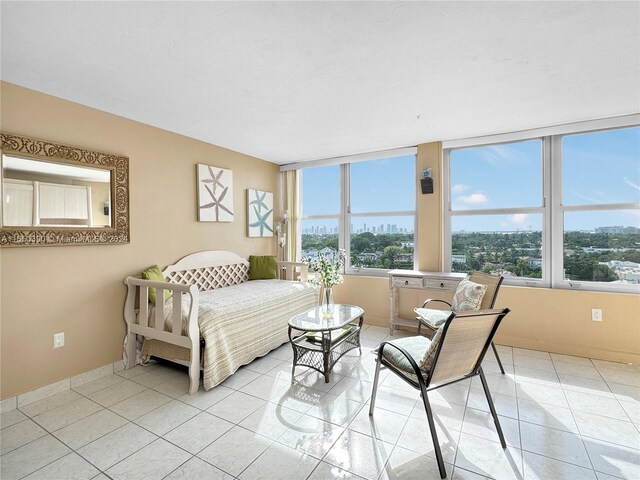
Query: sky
{"x":386,"y":185}
{"x":600,"y":167}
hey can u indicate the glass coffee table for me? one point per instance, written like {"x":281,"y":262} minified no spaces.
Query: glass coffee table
{"x":319,"y":342}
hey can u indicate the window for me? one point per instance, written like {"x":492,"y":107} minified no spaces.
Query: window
{"x":561,"y":210}
{"x":382,"y":213}
{"x":365,"y":207}
{"x":598,"y":217}
{"x":320,"y":210}
{"x":497,"y":210}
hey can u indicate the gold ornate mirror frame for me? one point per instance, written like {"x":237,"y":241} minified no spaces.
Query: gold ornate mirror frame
{"x":118,"y":166}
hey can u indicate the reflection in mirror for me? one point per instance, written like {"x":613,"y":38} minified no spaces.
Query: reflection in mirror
{"x":56,"y":194}
{"x":47,"y":194}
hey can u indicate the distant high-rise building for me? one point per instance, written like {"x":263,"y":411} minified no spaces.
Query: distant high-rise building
{"x":618,"y":229}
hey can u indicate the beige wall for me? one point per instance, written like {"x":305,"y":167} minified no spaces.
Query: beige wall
{"x":79,"y":290}
{"x":543,"y":319}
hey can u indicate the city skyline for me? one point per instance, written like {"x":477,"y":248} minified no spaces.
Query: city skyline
{"x":379,"y":228}
{"x":330,"y":227}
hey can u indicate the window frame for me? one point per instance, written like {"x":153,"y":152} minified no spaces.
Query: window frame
{"x":539,"y":210}
{"x":558,"y":280}
{"x":552,"y":209}
{"x":344,"y":216}
{"x":322,"y":216}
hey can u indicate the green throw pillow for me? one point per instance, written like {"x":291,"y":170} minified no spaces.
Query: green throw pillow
{"x":154,"y":273}
{"x":262,"y":267}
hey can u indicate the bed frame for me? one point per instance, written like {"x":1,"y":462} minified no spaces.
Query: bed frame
{"x":191,"y":275}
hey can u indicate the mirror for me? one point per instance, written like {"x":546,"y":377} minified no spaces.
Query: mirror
{"x":37,"y":193}
{"x":60,"y":195}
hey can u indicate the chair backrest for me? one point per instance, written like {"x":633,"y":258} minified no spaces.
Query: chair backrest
{"x":465,"y":338}
{"x":492,"y":282}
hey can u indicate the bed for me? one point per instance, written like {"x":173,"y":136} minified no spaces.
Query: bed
{"x":216,"y":319}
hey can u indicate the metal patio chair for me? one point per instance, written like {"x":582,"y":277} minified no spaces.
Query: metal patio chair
{"x":455,"y":353}
{"x":432,"y":319}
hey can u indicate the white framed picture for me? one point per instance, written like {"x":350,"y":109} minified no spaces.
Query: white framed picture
{"x":215,"y":194}
{"x":260,"y":213}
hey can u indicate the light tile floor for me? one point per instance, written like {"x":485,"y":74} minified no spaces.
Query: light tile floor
{"x":563,"y":417}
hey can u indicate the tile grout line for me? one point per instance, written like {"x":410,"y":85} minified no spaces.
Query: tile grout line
{"x":345,"y":428}
{"x":519,"y":420}
{"x":101,"y":436}
{"x":274,"y":401}
{"x":65,"y":455}
{"x":584,"y":445}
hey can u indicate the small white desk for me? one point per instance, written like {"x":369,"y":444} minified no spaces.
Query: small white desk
{"x":416,"y":279}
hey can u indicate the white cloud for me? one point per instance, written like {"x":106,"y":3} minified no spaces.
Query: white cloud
{"x":473,"y":199}
{"x":518,"y":218}
{"x":590,"y":199}
{"x":631,"y":184}
{"x":501,"y":155}
{"x":459,"y":188}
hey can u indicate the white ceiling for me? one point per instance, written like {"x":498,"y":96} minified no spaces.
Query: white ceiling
{"x":290,"y":82}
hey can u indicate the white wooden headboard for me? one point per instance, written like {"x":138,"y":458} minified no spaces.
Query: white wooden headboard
{"x":208,"y":270}
{"x":213,"y":269}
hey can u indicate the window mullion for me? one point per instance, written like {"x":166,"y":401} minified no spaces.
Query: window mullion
{"x":496,"y":211}
{"x":344,"y":234}
{"x":403,"y":213}
{"x":601,"y":206}
{"x":547,"y":223}
{"x":446,"y":202}
{"x":556,"y":213}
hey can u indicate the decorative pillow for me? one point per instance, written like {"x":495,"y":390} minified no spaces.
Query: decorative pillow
{"x":262,"y":267}
{"x":468,"y":296}
{"x":430,"y":354}
{"x":154,"y":273}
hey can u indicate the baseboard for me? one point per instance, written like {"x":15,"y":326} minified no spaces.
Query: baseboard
{"x":564,"y":349}
{"x":376,"y":321}
{"x":41,"y":393}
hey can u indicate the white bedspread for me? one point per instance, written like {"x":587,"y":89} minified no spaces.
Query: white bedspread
{"x":242,"y":322}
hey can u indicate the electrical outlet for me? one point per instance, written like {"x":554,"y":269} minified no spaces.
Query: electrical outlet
{"x":596,"y":315}
{"x":58,"y":340}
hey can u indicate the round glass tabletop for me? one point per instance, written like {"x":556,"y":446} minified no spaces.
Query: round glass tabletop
{"x":314,"y":321}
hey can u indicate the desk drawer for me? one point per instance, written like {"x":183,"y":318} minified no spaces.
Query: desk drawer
{"x":407,"y":282}
{"x":435,"y":284}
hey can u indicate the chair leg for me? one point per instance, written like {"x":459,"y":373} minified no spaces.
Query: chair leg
{"x":434,"y":435}
{"x":495,"y":352}
{"x":375,"y":383}
{"x":492,"y":408}
{"x":419,"y":326}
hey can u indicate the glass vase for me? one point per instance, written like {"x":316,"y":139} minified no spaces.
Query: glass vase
{"x":327,"y":302}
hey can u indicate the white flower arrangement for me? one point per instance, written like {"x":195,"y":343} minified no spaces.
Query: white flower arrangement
{"x":328,"y":267}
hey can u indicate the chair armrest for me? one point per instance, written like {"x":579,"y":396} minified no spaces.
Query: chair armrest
{"x":434,"y":300}
{"x":414,"y":365}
